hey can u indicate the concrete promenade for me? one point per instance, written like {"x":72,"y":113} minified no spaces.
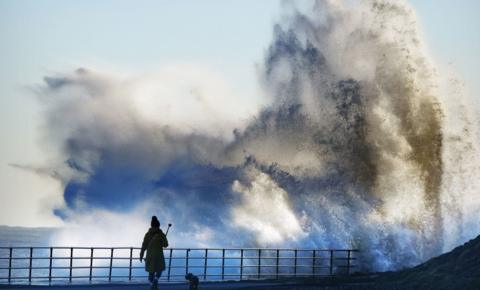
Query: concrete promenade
{"x":178,"y":286}
{"x":294,"y":284}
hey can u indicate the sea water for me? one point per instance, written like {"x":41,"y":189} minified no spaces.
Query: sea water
{"x":36,"y":242}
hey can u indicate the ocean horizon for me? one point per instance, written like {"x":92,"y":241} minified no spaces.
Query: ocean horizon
{"x":15,"y":236}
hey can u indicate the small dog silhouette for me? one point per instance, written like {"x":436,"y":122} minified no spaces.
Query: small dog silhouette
{"x":193,"y":281}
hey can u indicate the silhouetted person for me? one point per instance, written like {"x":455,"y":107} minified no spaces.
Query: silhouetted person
{"x":154,"y":242}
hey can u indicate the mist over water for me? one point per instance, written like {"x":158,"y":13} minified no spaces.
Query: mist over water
{"x":358,"y":147}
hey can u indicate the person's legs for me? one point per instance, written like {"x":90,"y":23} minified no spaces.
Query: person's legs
{"x":155,"y":280}
{"x":151,"y":278}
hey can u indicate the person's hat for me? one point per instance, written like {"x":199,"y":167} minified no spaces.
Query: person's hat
{"x":154,"y":223}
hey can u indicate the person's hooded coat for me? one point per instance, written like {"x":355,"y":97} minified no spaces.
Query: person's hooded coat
{"x":154,"y":242}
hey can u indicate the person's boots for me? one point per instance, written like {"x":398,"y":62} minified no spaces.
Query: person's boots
{"x":155,"y":284}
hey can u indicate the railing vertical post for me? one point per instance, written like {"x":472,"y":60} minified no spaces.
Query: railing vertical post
{"x":295,"y":263}
{"x":10,"y":265}
{"x":91,"y":265}
{"x":348,"y":262}
{"x":278,"y":261}
{"x":111,"y":264}
{"x":241,"y":264}
{"x":130,"y":265}
{"x":205,"y":265}
{"x":30,"y":266}
{"x":223,"y":264}
{"x":259,"y":263}
{"x":50,"y":265}
{"x":331,"y":262}
{"x":71,"y":265}
{"x":187,"y":257}
{"x":169,"y":264}
{"x":313,"y":262}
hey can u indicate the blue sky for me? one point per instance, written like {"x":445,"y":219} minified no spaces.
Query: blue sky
{"x":39,"y":38}
{"x":452,"y":31}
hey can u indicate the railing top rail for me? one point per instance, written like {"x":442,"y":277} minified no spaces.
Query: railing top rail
{"x":184,"y":249}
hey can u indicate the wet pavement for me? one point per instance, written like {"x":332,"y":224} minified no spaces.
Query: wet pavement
{"x":172,"y":286}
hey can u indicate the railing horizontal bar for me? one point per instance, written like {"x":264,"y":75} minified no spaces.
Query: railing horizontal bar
{"x":272,"y":266}
{"x":255,"y":257}
{"x":68,"y":258}
{"x":173,"y":267}
{"x":176,"y":267}
{"x":236,"y":275}
{"x":66,"y":267}
{"x":173,"y":275}
{"x":177,"y":258}
{"x":267,"y":275}
{"x":282,"y":274}
{"x":191,"y":249}
{"x":238,"y":267}
{"x":74,"y":267}
{"x":68,"y":248}
{"x":85,"y":277}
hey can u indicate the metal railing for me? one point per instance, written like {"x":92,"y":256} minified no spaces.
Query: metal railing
{"x":81,"y":264}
